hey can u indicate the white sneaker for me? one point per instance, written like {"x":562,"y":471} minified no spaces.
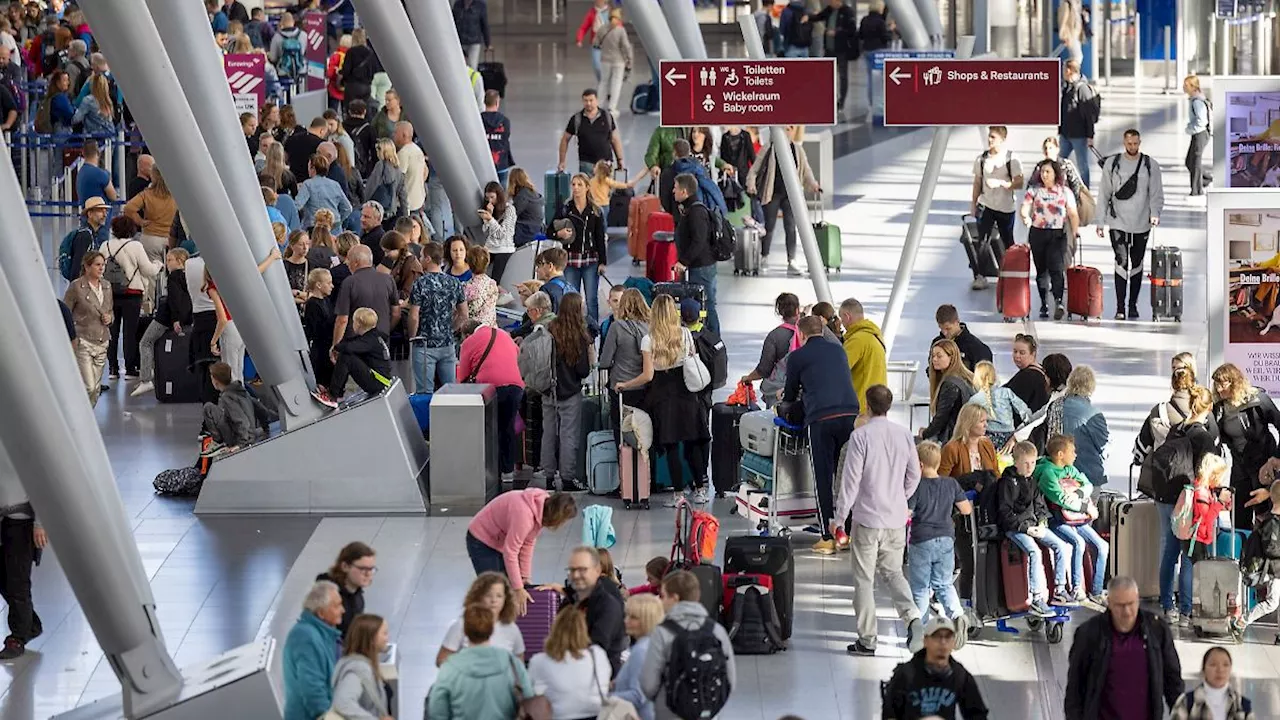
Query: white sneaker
{"x":674,"y":500}
{"x":508,"y":477}
{"x":793,"y":270}
{"x":764,"y":261}
{"x":700,"y":496}
{"x":143,"y":388}
{"x":979,"y":283}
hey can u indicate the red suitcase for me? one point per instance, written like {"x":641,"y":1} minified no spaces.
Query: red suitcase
{"x":642,"y":206}
{"x":1084,"y":292}
{"x":1013,"y":288}
{"x":1013,"y":571}
{"x":660,"y":250}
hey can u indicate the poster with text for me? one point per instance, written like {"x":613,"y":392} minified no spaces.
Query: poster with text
{"x":1252,"y":239}
{"x":246,"y":76}
{"x":1253,"y":139}
{"x":316,"y":50}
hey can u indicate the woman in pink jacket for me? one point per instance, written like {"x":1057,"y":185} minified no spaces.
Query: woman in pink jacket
{"x":502,"y":535}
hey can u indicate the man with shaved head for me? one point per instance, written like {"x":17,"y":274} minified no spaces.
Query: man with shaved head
{"x":143,"y":178}
{"x":366,"y":288}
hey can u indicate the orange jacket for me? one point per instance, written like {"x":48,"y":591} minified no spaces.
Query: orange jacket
{"x":331,"y":73}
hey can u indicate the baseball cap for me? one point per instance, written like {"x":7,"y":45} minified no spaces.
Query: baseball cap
{"x":937,"y":623}
{"x":690,"y":311}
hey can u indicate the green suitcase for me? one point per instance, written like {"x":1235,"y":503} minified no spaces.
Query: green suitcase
{"x":829,"y":243}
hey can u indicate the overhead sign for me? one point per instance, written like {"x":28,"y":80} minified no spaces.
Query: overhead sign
{"x":797,"y":91}
{"x":972,"y":92}
{"x":875,"y":71}
{"x":246,"y":75}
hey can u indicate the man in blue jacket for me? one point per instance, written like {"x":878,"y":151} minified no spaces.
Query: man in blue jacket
{"x":708,"y":191}
{"x":818,"y":374}
{"x":310,"y":653}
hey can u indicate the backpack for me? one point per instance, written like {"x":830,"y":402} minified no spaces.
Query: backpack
{"x":713,"y":354}
{"x":114,"y":272}
{"x":1184,"y":514}
{"x":696,"y":678}
{"x":723,"y":237}
{"x":1208,"y":111}
{"x":292,"y":61}
{"x":537,"y":360}
{"x":754,"y":628}
{"x":1161,"y":424}
{"x":19,"y":97}
{"x":384,"y":195}
{"x":1090,"y":107}
{"x":643,"y":284}
{"x":51,"y":57}
{"x":799,"y":34}
{"x":1167,"y":469}
{"x":363,"y":162}
{"x":44,"y":116}
{"x":71,"y":252}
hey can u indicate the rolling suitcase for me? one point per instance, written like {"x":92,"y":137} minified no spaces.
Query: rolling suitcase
{"x":1135,"y":545}
{"x":535,"y":625}
{"x":1013,"y":289}
{"x":988,"y":582}
{"x":174,"y":380}
{"x":421,"y":405}
{"x":757,"y":433}
{"x":660,"y":248}
{"x":1215,"y":592}
{"x":746,"y":253}
{"x":1084,"y":290}
{"x":985,"y":254}
{"x":635,"y":476}
{"x":829,"y":241}
{"x":645,"y":99}
{"x":770,"y":556}
{"x":619,"y":214}
{"x":594,"y":418}
{"x":642,"y":206}
{"x":726,"y":445}
{"x":1014,"y":578}
{"x":1166,"y":283}
{"x":681,"y":290}
{"x":531,"y":438}
{"x":1106,"y":501}
{"x":756,"y":471}
{"x":662,"y":473}
{"x":555,"y":190}
{"x":493,"y":73}
{"x":602,"y":463}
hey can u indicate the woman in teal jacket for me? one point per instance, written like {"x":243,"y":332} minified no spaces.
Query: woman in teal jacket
{"x":476,"y":682}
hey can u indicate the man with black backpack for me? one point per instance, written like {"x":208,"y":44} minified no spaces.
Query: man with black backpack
{"x":700,"y":237}
{"x":796,"y":31}
{"x":689,"y":668}
{"x":1130,"y":201}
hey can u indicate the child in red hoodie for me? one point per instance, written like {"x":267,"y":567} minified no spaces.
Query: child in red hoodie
{"x":654,"y":570}
{"x":1211,"y":498}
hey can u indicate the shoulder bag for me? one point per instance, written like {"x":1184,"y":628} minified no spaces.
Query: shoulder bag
{"x":537,"y":707}
{"x":696,"y":375}
{"x":611,"y":708}
{"x":475,"y":371}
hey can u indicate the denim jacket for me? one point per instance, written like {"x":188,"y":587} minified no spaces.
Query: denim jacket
{"x":1005,"y":411}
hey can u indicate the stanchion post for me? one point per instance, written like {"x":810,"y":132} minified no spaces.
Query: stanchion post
{"x":1106,"y":49}
{"x":1168,"y":59}
{"x":1137,"y":52}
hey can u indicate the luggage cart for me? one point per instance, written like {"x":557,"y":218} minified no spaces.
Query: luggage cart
{"x":787,"y":493}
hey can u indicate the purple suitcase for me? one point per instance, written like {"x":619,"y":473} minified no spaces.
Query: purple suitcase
{"x":535,"y":626}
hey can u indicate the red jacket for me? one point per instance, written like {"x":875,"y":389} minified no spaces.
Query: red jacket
{"x":1205,"y":518}
{"x":331,"y":72}
{"x":588,"y":25}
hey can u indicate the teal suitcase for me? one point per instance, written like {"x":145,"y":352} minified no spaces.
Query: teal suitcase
{"x":555,"y":191}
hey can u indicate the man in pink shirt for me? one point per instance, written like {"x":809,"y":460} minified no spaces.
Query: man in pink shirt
{"x":502,"y":535}
{"x":881,"y":471}
{"x":488,"y":356}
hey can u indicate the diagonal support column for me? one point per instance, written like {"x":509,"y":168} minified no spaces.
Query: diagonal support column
{"x":71,"y":485}
{"x":683,"y":21}
{"x":404,"y":60}
{"x":655,"y":34}
{"x":184,"y":28}
{"x":910,"y":25}
{"x":130,"y":38}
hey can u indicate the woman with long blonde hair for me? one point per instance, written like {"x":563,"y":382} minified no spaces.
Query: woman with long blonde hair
{"x":358,"y":687}
{"x":324,"y":248}
{"x":385,"y":183}
{"x":1005,"y":410}
{"x":620,"y":352}
{"x":277,"y":168}
{"x":97,"y":111}
{"x":970,"y":450}
{"x":1246,"y":416}
{"x":679,"y":415}
{"x":950,"y":387}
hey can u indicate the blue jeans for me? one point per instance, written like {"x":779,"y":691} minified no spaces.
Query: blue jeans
{"x":587,"y":280}
{"x":1035,"y":566}
{"x":596,"y":67}
{"x":706,"y":277}
{"x":1080,"y":146}
{"x":485,"y":558}
{"x":1171,"y":550}
{"x":795,"y":52}
{"x":1078,"y":535}
{"x":930,"y":566}
{"x":430,"y":363}
{"x":439,"y":212}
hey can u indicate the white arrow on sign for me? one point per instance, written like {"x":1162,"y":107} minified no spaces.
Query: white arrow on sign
{"x":897,"y":76}
{"x":672,"y":77}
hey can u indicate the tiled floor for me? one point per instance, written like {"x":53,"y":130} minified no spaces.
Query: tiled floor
{"x":225,"y":581}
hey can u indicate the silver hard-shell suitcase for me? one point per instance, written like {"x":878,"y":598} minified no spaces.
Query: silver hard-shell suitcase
{"x":1215,"y":588}
{"x":1135,"y":544}
{"x":746,"y":254}
{"x":757,"y":432}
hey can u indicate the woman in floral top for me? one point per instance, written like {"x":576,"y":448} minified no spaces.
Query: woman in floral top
{"x":1049,"y":210}
{"x":481,"y":291}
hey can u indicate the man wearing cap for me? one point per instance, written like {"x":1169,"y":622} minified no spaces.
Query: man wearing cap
{"x":91,"y":234}
{"x":932,"y":684}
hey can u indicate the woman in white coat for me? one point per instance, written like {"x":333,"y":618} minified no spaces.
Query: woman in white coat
{"x":130,"y":257}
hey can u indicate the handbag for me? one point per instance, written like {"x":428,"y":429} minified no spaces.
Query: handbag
{"x":696,"y":375}
{"x":537,"y":707}
{"x":1086,"y":207}
{"x":611,"y":708}
{"x":475,"y":371}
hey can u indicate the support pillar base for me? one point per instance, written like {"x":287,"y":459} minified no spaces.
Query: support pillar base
{"x":367,"y":458}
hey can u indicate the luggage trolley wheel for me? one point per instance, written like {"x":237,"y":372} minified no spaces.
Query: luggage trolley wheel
{"x":1053,"y":633}
{"x":1035,"y":623}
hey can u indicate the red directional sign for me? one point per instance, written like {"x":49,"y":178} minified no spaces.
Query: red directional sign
{"x":972,"y":92}
{"x":796,"y":91}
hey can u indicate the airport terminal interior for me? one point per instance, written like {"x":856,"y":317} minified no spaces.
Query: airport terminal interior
{"x":223,"y":581}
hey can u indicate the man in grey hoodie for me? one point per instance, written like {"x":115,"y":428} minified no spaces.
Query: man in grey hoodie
{"x":682,"y":599}
{"x":1130,"y":201}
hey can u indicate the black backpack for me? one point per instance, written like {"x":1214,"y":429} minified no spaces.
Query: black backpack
{"x":696,"y":678}
{"x":724,"y":238}
{"x":1168,"y":468}
{"x":713,"y":354}
{"x":799,"y":34}
{"x":755,"y":628}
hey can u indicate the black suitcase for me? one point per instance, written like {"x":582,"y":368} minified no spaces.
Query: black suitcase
{"x":174,"y":380}
{"x":726,"y":446}
{"x":531,"y":438}
{"x":494,"y":74}
{"x":1166,"y":283}
{"x":619,"y":204}
{"x":770,"y":556}
{"x":680,"y":290}
{"x":985,"y":254}
{"x":711,"y":583}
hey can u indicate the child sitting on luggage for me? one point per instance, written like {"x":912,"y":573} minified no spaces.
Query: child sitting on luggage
{"x":931,"y":554}
{"x":238,"y":418}
{"x":1023,"y":518}
{"x":654,"y":570}
{"x":1072,"y":512}
{"x":364,"y":357}
{"x":1211,"y":497}
{"x":1261,"y":565}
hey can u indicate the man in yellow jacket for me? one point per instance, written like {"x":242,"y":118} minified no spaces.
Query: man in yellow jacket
{"x":864,"y":348}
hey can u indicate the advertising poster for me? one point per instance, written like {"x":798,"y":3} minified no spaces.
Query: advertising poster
{"x":246,"y":76}
{"x":1253,"y":294}
{"x":1253,"y":139}
{"x":316,"y":49}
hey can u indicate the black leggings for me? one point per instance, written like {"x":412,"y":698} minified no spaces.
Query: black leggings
{"x":125,"y":310}
{"x":1049,"y":253}
{"x":781,"y":202}
{"x":695,"y":453}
